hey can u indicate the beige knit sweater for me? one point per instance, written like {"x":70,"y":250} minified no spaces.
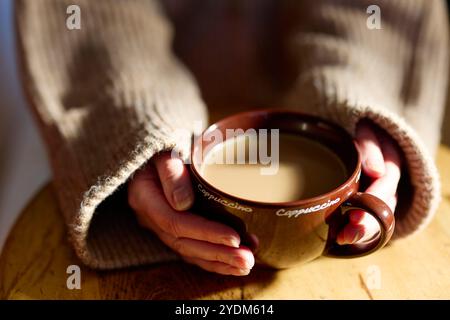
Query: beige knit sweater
{"x":110,"y":95}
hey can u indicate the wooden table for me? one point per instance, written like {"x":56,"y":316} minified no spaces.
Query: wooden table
{"x":36,"y":255}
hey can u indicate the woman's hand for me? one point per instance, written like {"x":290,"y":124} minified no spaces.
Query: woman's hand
{"x":381,"y":162}
{"x":160,"y":194}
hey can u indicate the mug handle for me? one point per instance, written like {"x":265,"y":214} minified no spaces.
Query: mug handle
{"x":373,"y":206}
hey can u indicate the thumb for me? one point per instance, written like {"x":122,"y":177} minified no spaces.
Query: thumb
{"x":175,"y":181}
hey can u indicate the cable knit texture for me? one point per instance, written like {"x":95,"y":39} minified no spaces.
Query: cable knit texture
{"x":111,"y":95}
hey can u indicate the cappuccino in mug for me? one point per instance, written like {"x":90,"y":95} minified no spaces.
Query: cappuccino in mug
{"x":305,"y":169}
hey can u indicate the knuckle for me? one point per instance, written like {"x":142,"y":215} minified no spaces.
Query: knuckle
{"x":173,"y":226}
{"x":178,"y":246}
{"x":390,"y":182}
{"x":218,"y":256}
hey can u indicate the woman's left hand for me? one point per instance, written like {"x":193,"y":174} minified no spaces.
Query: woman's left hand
{"x":381,"y":162}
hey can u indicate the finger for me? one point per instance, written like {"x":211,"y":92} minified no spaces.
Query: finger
{"x":362,"y":227}
{"x":391,"y":152}
{"x":392,"y":203}
{"x":153,"y":211}
{"x":192,"y":226}
{"x":241,"y":258}
{"x":370,"y":150}
{"x":350,"y":234}
{"x":175,"y":181}
{"x":217,"y":267}
{"x":356,"y":216}
{"x":386,"y":186}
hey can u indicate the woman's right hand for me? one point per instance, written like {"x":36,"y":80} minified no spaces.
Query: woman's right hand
{"x":161,"y":193}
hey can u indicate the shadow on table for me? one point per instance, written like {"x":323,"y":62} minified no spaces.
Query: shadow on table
{"x":179,"y":280}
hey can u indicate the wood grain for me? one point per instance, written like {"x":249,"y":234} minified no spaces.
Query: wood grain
{"x":36,"y":255}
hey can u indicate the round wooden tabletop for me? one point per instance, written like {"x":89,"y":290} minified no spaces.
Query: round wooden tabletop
{"x":36,"y":256}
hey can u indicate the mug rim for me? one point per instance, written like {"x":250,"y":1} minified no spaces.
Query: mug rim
{"x":354,"y":176}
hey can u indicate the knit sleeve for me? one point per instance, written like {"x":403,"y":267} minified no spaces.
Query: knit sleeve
{"x":107,"y":96}
{"x":346,"y":69}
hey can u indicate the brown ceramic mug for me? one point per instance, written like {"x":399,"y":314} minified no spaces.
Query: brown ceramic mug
{"x":293,"y":232}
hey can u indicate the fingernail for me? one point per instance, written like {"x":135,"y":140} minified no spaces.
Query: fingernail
{"x":183,"y":198}
{"x":231,"y":241}
{"x":243,"y":272}
{"x":246,"y":262}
